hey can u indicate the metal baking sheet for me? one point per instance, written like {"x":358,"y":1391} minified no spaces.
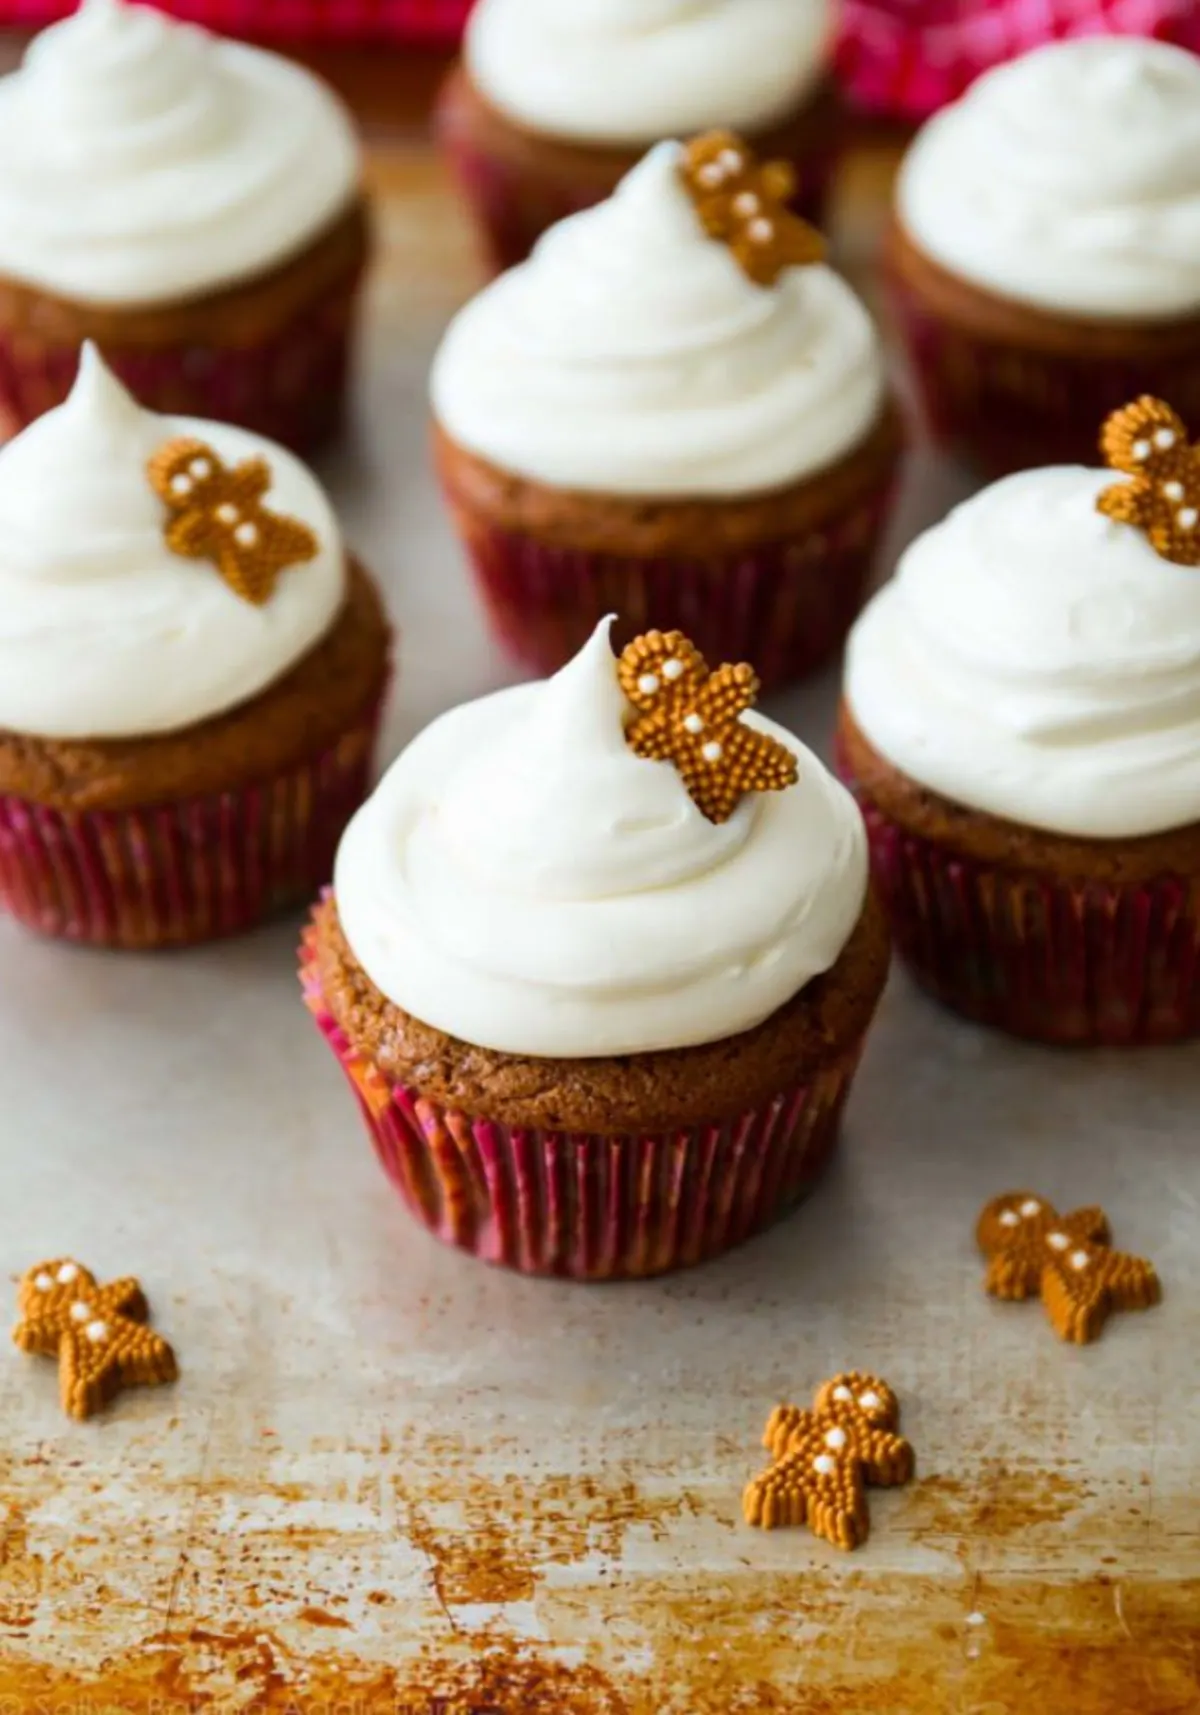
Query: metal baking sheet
{"x":391,"y":1479}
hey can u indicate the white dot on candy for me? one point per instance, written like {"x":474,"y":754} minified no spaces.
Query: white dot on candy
{"x":731,"y":161}
{"x":246,"y":535}
{"x":1057,"y":1241}
{"x":693,"y":723}
{"x":712,"y":174}
{"x":1030,"y":1207}
{"x":181,"y":484}
{"x":835,"y":1438}
{"x":43,"y":1282}
{"x":648,"y":684}
{"x":870,"y":1401}
{"x":1079,"y":1259}
{"x":672,"y":669}
{"x":842,"y":1392}
{"x":1187,"y":517}
{"x":227,"y":513}
{"x":80,"y":1312}
{"x":1173,"y":490}
{"x":824,"y":1464}
{"x":760,"y":231}
{"x":200,"y":468}
{"x":67,"y":1273}
{"x":96,"y":1331}
{"x":1164,"y":438}
{"x":746,"y":204}
{"x":1141,"y":449}
{"x":712,"y":752}
{"x":1009,"y":1218}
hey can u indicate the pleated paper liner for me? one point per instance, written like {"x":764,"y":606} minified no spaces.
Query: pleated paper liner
{"x":585,"y":1206}
{"x":194,"y":870}
{"x":1003,"y":407}
{"x":783,"y":606}
{"x":1068,"y":962}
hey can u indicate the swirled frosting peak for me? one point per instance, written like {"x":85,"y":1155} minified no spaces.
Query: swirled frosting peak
{"x":142,"y":159}
{"x":523,"y":881}
{"x":1069,"y":179}
{"x":632,"y":71}
{"x":1038,"y":660}
{"x":632,"y":355}
{"x":104,"y":632}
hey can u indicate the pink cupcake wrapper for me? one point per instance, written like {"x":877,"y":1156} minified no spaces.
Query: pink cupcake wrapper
{"x":290,"y":387}
{"x":514,"y":208}
{"x":1074,"y":963}
{"x":783,"y":606}
{"x":910,"y":59}
{"x":581,"y":1205}
{"x":194,"y":870}
{"x":429,"y":22}
{"x":1007,"y":408}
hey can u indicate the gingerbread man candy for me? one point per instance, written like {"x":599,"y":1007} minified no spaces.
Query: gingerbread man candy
{"x":824,"y":1459}
{"x":1068,"y":1260}
{"x":691,"y":717}
{"x":743,"y":203}
{"x":1149,"y":442}
{"x":97,"y":1333}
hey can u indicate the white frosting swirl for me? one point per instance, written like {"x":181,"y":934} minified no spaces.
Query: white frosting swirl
{"x":632,"y":71}
{"x":632,"y":355}
{"x":1068,"y":179}
{"x":104,"y":633}
{"x":523,"y":881}
{"x":1034,"y":659}
{"x":143,"y":160}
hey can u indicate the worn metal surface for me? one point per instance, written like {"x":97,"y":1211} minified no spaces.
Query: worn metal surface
{"x":389,"y":1476}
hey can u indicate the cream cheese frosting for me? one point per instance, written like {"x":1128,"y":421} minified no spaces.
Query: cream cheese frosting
{"x":1038,"y":661}
{"x":521,"y":880}
{"x":632,"y":355}
{"x":104,"y":632}
{"x":1068,"y":179}
{"x":143,"y":160}
{"x":631,"y":71}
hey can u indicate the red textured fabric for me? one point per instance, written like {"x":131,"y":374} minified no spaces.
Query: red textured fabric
{"x":436,"y":23}
{"x":907,"y":58}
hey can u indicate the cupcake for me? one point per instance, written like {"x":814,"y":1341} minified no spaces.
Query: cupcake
{"x":906,"y":62}
{"x":1044,"y":259}
{"x":673,"y":411}
{"x":599,"y":964}
{"x":1021,"y":726}
{"x":194,"y":207}
{"x":191,"y":673}
{"x":553,"y":104}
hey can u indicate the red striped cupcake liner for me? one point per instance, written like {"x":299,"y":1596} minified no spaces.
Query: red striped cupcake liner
{"x":909,"y":59}
{"x":194,"y":870}
{"x":1004,"y":407}
{"x":585,"y":1206}
{"x":784,"y":606}
{"x":425,"y":22}
{"x":290,"y":387}
{"x":1074,"y":963}
{"x":514,"y":206}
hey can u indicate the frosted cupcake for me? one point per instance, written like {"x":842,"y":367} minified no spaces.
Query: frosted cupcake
{"x":191,"y":671}
{"x":673,"y":411}
{"x":558,"y":1072}
{"x":553,"y":104}
{"x":192,"y":205}
{"x":1021,"y":726}
{"x":1045,"y":256}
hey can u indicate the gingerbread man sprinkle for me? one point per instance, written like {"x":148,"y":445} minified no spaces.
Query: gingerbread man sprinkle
{"x":1149,"y":442}
{"x":217,"y":513}
{"x":1067,"y":1259}
{"x":691,"y":717}
{"x":824,"y":1459}
{"x":98,"y":1334}
{"x":743,"y":203}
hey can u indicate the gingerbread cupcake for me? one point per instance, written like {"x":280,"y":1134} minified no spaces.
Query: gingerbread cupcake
{"x":557,"y":1071}
{"x":676,"y":412}
{"x":191,"y":673}
{"x":552,"y":105}
{"x":195,"y":207}
{"x":1045,"y":255}
{"x":1021,"y":726}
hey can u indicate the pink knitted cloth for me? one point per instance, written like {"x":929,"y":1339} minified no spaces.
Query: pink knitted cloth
{"x":906,"y":58}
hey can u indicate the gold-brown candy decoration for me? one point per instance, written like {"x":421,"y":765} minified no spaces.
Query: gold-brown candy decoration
{"x":97,"y":1333}
{"x":1149,"y":442}
{"x":743,"y":203}
{"x":824,"y":1459}
{"x":691,"y":717}
{"x":217,"y":513}
{"x":1066,"y":1260}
